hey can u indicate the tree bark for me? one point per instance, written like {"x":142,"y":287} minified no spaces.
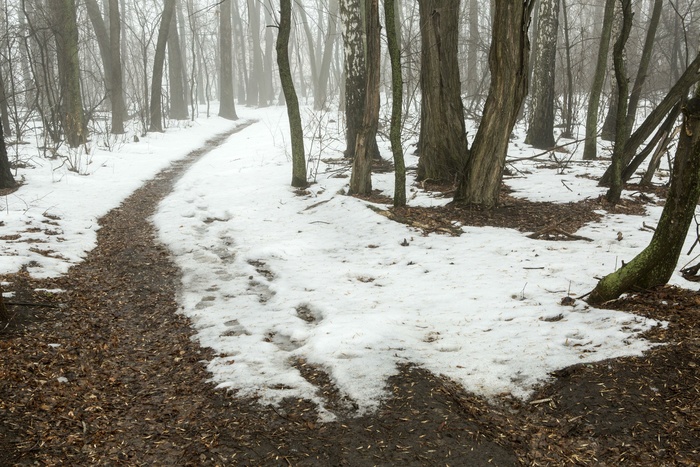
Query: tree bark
{"x":396,"y":103}
{"x":480,"y":181}
{"x":613,"y":194}
{"x":656,"y":116}
{"x":321,"y":93}
{"x":540,"y":131}
{"x":103,"y":42}
{"x":178,"y":101}
{"x":361,"y":178}
{"x":654,"y":266}
{"x":6,"y":178}
{"x":355,"y":71}
{"x":590,"y":147}
{"x":256,"y":70}
{"x":290,"y":95}
{"x":117,"y":92}
{"x":65,"y":29}
{"x":227,"y":106}
{"x":643,"y":65}
{"x":158,"y":61}
{"x":442,"y":144}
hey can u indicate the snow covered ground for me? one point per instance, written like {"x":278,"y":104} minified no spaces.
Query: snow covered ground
{"x":271,"y":276}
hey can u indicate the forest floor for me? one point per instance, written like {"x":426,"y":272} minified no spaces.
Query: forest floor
{"x":106,"y":373}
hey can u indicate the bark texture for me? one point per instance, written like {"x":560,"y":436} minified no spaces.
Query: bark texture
{"x":227,"y":106}
{"x":355,"y":71}
{"x":290,"y":95}
{"x":540,"y":131}
{"x":442,"y":144}
{"x":158,"y":62}
{"x":396,"y":103}
{"x":6,"y":178}
{"x":65,"y":28}
{"x":117,"y":91}
{"x":361,"y":177}
{"x":590,"y":148}
{"x":480,"y":181}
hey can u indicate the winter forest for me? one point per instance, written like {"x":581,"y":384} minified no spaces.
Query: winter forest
{"x":349,"y":232}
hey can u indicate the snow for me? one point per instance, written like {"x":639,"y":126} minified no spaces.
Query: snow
{"x":272,"y":277}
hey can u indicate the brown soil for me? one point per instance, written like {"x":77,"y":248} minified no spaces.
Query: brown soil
{"x":107,"y":374}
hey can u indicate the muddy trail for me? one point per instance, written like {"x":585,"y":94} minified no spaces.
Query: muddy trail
{"x":107,"y":373}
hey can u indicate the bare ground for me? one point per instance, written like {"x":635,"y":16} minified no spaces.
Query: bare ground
{"x":107,"y":374}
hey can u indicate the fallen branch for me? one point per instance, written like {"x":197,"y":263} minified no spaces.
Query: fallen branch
{"x":554,"y":230}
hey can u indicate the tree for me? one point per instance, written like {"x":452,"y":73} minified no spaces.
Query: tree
{"x":540,"y":131}
{"x":442,"y":144}
{"x":256,"y":70}
{"x":227,"y":106}
{"x":361,"y":177}
{"x":396,"y":103}
{"x":613,"y":195}
{"x":678,"y":92}
{"x":644,"y":62}
{"x":355,"y":71}
{"x":6,"y":178}
{"x":178,"y":101}
{"x":590,"y":145}
{"x":65,"y":29}
{"x":480,"y":180}
{"x":290,"y":95}
{"x":117,"y":90}
{"x":158,"y":61}
{"x":654,"y":266}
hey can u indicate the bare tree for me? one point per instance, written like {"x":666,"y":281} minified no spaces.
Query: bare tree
{"x":480,"y":181}
{"x":442,"y":145}
{"x":117,"y":90}
{"x":540,"y":132}
{"x":285,"y":71}
{"x":227,"y":107}
{"x":158,"y":62}
{"x":361,"y":178}
{"x":590,"y":145}
{"x":65,"y":28}
{"x":396,"y":102}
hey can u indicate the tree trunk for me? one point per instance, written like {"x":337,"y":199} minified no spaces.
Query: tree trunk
{"x":590,"y":148}
{"x":480,"y":182}
{"x":256,"y":70}
{"x":266,"y":90}
{"x":361,"y":178}
{"x":103,"y":42}
{"x":656,"y":116}
{"x":442,"y":144}
{"x":227,"y":106}
{"x":355,"y":71}
{"x":568,"y":111}
{"x":321,"y":94}
{"x":6,"y":178}
{"x":178,"y":102}
{"x":117,"y":92}
{"x":396,"y":103}
{"x":654,"y":266}
{"x":540,"y":131}
{"x":158,"y":61}
{"x":613,"y":194}
{"x":290,"y":95}
{"x":643,"y":65}
{"x":473,"y":49}
{"x":4,"y":313}
{"x":65,"y":29}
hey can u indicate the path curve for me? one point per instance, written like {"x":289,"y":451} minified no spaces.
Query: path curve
{"x":114,"y":378}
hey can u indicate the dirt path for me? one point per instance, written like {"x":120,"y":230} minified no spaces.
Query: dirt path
{"x":112,"y":377}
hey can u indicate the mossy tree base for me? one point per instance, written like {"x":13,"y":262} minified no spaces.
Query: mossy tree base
{"x":656,"y":263}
